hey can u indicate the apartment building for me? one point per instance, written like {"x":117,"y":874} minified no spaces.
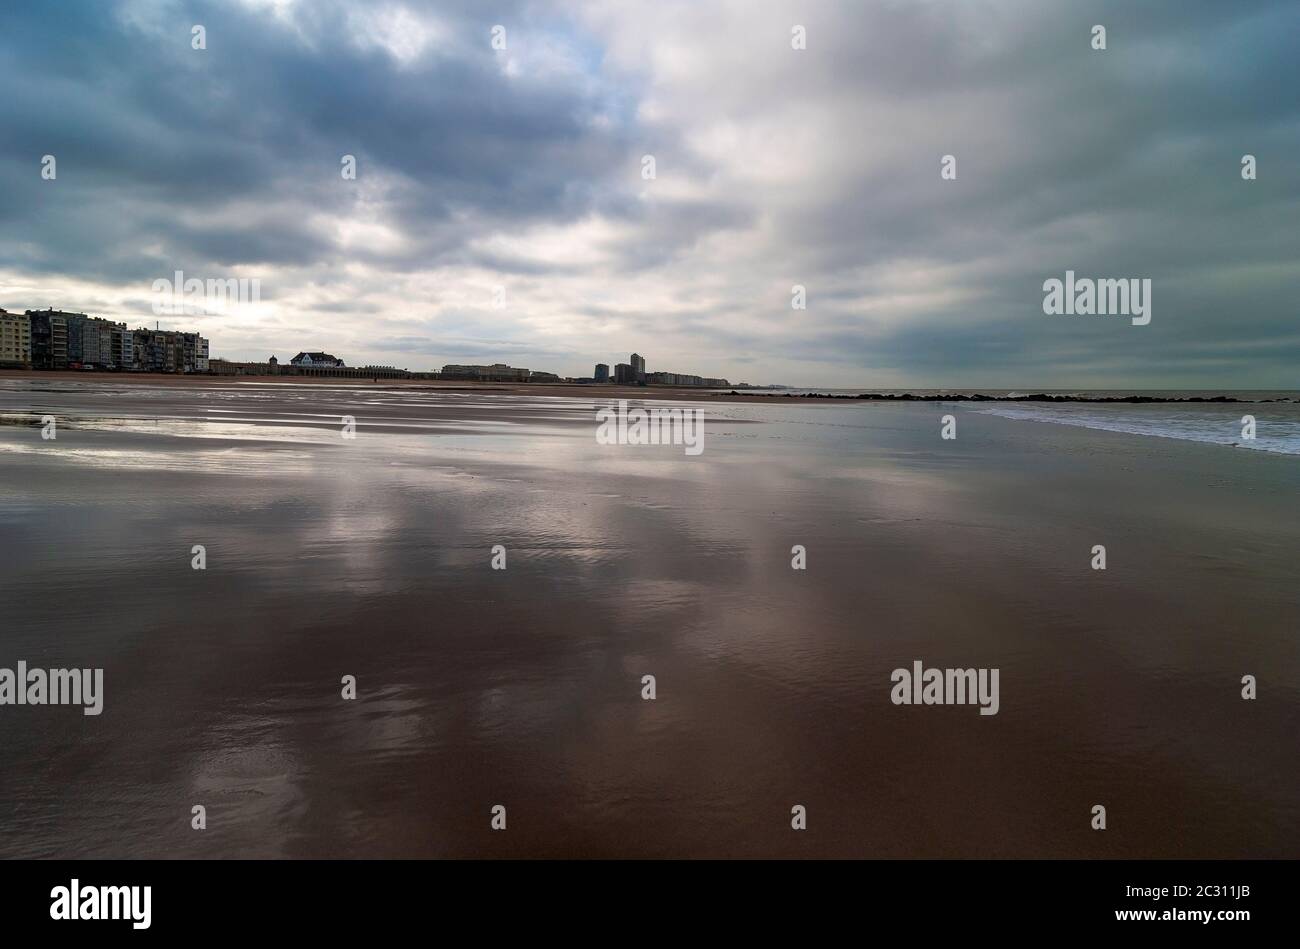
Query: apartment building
{"x":15,"y":340}
{"x":169,"y":351}
{"x":497,"y":372}
{"x":50,"y":338}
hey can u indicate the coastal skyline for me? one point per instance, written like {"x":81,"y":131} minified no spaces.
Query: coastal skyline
{"x":500,"y":209}
{"x":67,"y":340}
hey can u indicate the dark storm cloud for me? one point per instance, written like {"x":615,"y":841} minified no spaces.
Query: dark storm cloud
{"x":146,"y":130}
{"x":1117,"y":163}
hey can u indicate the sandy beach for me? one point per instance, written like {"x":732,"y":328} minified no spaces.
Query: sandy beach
{"x":370,"y":557}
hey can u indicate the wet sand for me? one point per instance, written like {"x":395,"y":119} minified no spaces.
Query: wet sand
{"x":371,"y":557}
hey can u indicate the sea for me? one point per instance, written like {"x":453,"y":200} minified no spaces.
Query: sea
{"x":1276,"y":413}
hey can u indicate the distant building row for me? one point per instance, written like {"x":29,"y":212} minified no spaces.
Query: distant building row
{"x":632,"y":373}
{"x":497,"y":372}
{"x":323,"y":364}
{"x":54,"y":339}
{"x":311,"y":364}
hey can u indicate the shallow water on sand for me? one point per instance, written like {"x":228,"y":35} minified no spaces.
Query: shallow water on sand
{"x":1275,"y":427}
{"x":371,"y":557}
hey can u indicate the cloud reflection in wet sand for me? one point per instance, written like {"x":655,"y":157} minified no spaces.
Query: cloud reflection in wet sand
{"x":371,"y":558}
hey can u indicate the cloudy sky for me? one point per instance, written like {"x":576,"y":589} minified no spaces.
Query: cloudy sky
{"x":500,"y":212}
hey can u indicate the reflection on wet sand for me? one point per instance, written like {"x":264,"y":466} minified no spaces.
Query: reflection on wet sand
{"x":370,"y":557}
